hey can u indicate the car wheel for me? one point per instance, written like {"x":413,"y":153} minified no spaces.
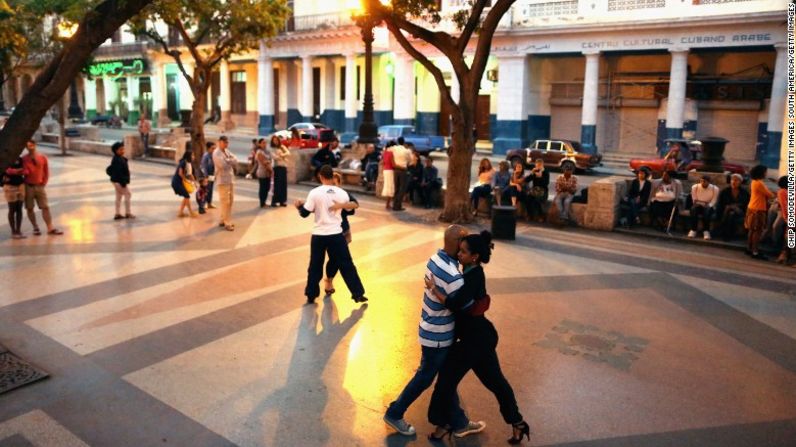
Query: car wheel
{"x":567,"y":164}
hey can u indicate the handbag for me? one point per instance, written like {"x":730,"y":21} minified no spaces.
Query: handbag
{"x":189,"y":186}
{"x":538,"y":192}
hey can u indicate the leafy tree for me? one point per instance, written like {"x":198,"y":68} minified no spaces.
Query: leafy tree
{"x":211,"y":31}
{"x":405,"y":19}
{"x":97,"y":21}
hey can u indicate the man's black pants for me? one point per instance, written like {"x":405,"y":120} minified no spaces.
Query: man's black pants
{"x":337,"y":247}
{"x":401,"y":183}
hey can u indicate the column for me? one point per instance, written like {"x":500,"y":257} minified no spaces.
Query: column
{"x":133,"y":100}
{"x":588,"y":123}
{"x":404,"y":105}
{"x":329,"y":114}
{"x":265,"y":92}
{"x":776,"y":110}
{"x":292,"y":77}
{"x":160,"y":101}
{"x":540,"y":89}
{"x":90,"y":92}
{"x":225,"y":97}
{"x":350,"y":93}
{"x":675,"y":108}
{"x":186,"y":94}
{"x":111,"y":95}
{"x":512,"y":104}
{"x":307,"y":112}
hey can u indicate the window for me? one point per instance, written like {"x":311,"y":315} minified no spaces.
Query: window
{"x":238,"y":90}
{"x":358,"y":80}
{"x":556,"y":146}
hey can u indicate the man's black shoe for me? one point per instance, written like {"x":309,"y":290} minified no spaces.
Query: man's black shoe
{"x":311,"y":300}
{"x":360,"y":299}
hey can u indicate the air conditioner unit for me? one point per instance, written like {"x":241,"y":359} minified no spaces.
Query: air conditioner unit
{"x":492,"y":75}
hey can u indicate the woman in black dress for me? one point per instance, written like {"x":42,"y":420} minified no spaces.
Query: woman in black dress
{"x":182,"y":180}
{"x":474,"y":349}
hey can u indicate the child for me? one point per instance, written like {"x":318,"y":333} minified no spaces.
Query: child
{"x":755,"y":221}
{"x":201,"y":195}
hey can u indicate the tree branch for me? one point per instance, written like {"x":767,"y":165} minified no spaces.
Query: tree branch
{"x":190,"y":44}
{"x":471,"y":25}
{"x":488,"y":28}
{"x":420,"y":57}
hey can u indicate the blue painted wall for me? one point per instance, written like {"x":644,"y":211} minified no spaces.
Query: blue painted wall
{"x":762,"y":140}
{"x":334,"y":119}
{"x":509,"y":134}
{"x":538,"y":127}
{"x":427,"y":123}
{"x":770,"y":156}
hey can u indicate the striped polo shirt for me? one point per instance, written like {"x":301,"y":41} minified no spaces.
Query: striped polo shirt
{"x":437,"y":322}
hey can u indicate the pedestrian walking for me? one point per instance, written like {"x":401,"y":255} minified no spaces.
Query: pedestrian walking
{"x":184,"y":184}
{"x":225,"y":163}
{"x":281,"y":155}
{"x":14,"y":190}
{"x":144,"y":128}
{"x":119,"y":172}
{"x":326,"y":202}
{"x":207,"y":170}
{"x":37,"y":174}
{"x":436,"y":328}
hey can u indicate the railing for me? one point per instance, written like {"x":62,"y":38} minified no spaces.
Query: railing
{"x":314,"y":22}
{"x":121,"y":49}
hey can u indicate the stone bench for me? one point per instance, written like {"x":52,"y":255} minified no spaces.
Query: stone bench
{"x":350,"y":176}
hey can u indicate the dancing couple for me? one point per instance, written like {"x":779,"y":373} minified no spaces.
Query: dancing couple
{"x":456,"y":337}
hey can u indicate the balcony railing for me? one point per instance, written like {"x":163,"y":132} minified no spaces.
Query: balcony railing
{"x":121,"y":49}
{"x":314,"y":22}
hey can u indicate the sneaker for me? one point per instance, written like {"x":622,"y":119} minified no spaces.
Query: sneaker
{"x":706,"y":236}
{"x":471,"y":429}
{"x":400,"y":425}
{"x":692,"y":234}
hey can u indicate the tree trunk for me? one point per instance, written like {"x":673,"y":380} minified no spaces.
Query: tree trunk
{"x":98,"y":25}
{"x":460,"y":158}
{"x":198,"y":122}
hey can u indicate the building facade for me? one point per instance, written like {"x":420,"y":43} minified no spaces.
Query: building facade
{"x":618,"y":75}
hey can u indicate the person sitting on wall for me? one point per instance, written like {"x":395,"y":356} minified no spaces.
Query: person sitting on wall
{"x":430,"y":182}
{"x":371,"y":165}
{"x":636,"y":199}
{"x":731,"y":207}
{"x":566,"y":187}
{"x":539,"y":183}
{"x":500,"y":183}
{"x":325,"y":156}
{"x":704,"y":196}
{"x":664,"y":200}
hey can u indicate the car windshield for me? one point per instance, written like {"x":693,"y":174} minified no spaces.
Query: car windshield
{"x":576,"y":146}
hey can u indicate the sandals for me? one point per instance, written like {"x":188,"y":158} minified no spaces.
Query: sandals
{"x":55,"y":232}
{"x":36,"y":232}
{"x":328,"y":287}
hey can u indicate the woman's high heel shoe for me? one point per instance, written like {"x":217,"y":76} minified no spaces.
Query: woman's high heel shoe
{"x":519,"y":431}
{"x":445,"y":434}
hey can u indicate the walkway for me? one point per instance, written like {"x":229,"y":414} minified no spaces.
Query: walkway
{"x":167,"y":331}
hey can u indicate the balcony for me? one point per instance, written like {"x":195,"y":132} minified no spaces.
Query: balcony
{"x":314,"y":22}
{"x":122,"y":49}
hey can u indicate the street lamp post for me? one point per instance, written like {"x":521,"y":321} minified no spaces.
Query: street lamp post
{"x":74,"y":105}
{"x":368,"y":129}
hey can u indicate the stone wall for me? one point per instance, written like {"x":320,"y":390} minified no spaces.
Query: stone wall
{"x":602,"y":210}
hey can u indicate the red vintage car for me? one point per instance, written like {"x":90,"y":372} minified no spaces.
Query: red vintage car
{"x":683,"y":157}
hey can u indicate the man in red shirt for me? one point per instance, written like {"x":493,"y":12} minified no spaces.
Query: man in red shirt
{"x":37,"y":175}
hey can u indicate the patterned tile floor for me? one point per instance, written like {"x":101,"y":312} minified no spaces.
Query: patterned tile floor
{"x":166,"y":331}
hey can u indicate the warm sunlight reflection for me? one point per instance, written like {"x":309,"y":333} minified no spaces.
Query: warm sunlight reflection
{"x":80,"y":225}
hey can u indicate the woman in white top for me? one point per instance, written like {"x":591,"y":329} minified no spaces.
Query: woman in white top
{"x":484,"y":186}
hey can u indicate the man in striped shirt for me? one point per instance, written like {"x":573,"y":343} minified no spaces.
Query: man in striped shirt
{"x":436,"y":328}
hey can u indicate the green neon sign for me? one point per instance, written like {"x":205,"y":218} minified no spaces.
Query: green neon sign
{"x":117,"y":68}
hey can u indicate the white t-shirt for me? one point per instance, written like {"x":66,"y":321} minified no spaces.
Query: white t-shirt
{"x":319,"y":200}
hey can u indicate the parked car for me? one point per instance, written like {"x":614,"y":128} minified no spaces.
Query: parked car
{"x":423,"y":143}
{"x":107,"y":121}
{"x":556,"y":154}
{"x":313,"y":135}
{"x":680,"y":161}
